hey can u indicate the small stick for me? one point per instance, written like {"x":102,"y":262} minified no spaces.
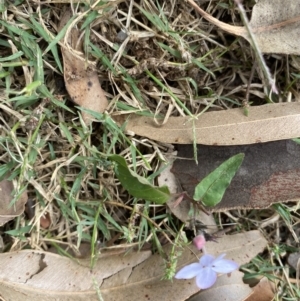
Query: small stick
{"x":261,"y":60}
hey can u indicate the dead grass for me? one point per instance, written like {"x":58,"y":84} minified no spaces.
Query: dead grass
{"x":152,"y":58}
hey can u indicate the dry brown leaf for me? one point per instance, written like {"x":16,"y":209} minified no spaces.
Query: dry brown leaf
{"x":227,"y":288}
{"x":82,"y":82}
{"x":269,"y":122}
{"x":263,"y":291}
{"x":32,"y":275}
{"x":277,"y":30}
{"x":8,"y":212}
{"x":45,"y":221}
{"x":264,"y":178}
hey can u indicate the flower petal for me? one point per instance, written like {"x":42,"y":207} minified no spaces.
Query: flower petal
{"x":221,"y":256}
{"x":206,"y":260}
{"x":206,"y":278}
{"x":224,"y":266}
{"x":189,"y":271}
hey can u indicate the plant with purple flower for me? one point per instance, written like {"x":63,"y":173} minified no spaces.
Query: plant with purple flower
{"x":207,"y":270}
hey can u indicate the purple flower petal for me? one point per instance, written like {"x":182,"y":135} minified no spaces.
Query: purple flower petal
{"x":189,"y":271}
{"x":224,"y":266}
{"x":206,"y":270}
{"x":206,"y":260}
{"x":206,"y":278}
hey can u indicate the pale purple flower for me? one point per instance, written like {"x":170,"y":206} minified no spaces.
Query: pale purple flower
{"x":207,"y":269}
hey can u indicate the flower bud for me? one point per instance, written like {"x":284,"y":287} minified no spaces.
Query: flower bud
{"x":199,"y":241}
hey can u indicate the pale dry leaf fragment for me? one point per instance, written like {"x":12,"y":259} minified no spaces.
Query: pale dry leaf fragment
{"x":81,"y":80}
{"x":49,"y":277}
{"x":270,"y":122}
{"x":8,"y":211}
{"x":276,"y":29}
{"x":239,"y":247}
{"x":166,"y":177}
{"x":263,"y":291}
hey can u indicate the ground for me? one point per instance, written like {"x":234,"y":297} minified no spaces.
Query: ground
{"x":151,"y":57}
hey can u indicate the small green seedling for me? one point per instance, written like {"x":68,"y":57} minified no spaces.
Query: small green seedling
{"x":211,"y":189}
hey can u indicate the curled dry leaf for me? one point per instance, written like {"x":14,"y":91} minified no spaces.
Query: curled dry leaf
{"x":32,"y":275}
{"x":8,"y":212}
{"x":276,"y":29}
{"x":265,"y":123}
{"x":81,"y":81}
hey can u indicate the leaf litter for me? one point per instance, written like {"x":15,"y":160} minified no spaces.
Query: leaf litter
{"x":114,"y":276}
{"x":171,"y":63}
{"x":264,"y":123}
{"x":276,"y":30}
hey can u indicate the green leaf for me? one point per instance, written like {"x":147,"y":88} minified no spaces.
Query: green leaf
{"x":138,"y":186}
{"x":12,"y":57}
{"x":211,"y":189}
{"x":297,"y":140}
{"x":90,"y":18}
{"x":60,"y":34}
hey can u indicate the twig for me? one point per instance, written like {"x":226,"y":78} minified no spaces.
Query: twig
{"x":260,"y":58}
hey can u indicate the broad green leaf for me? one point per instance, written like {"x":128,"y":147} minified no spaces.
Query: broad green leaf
{"x":211,"y":189}
{"x":138,"y":186}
